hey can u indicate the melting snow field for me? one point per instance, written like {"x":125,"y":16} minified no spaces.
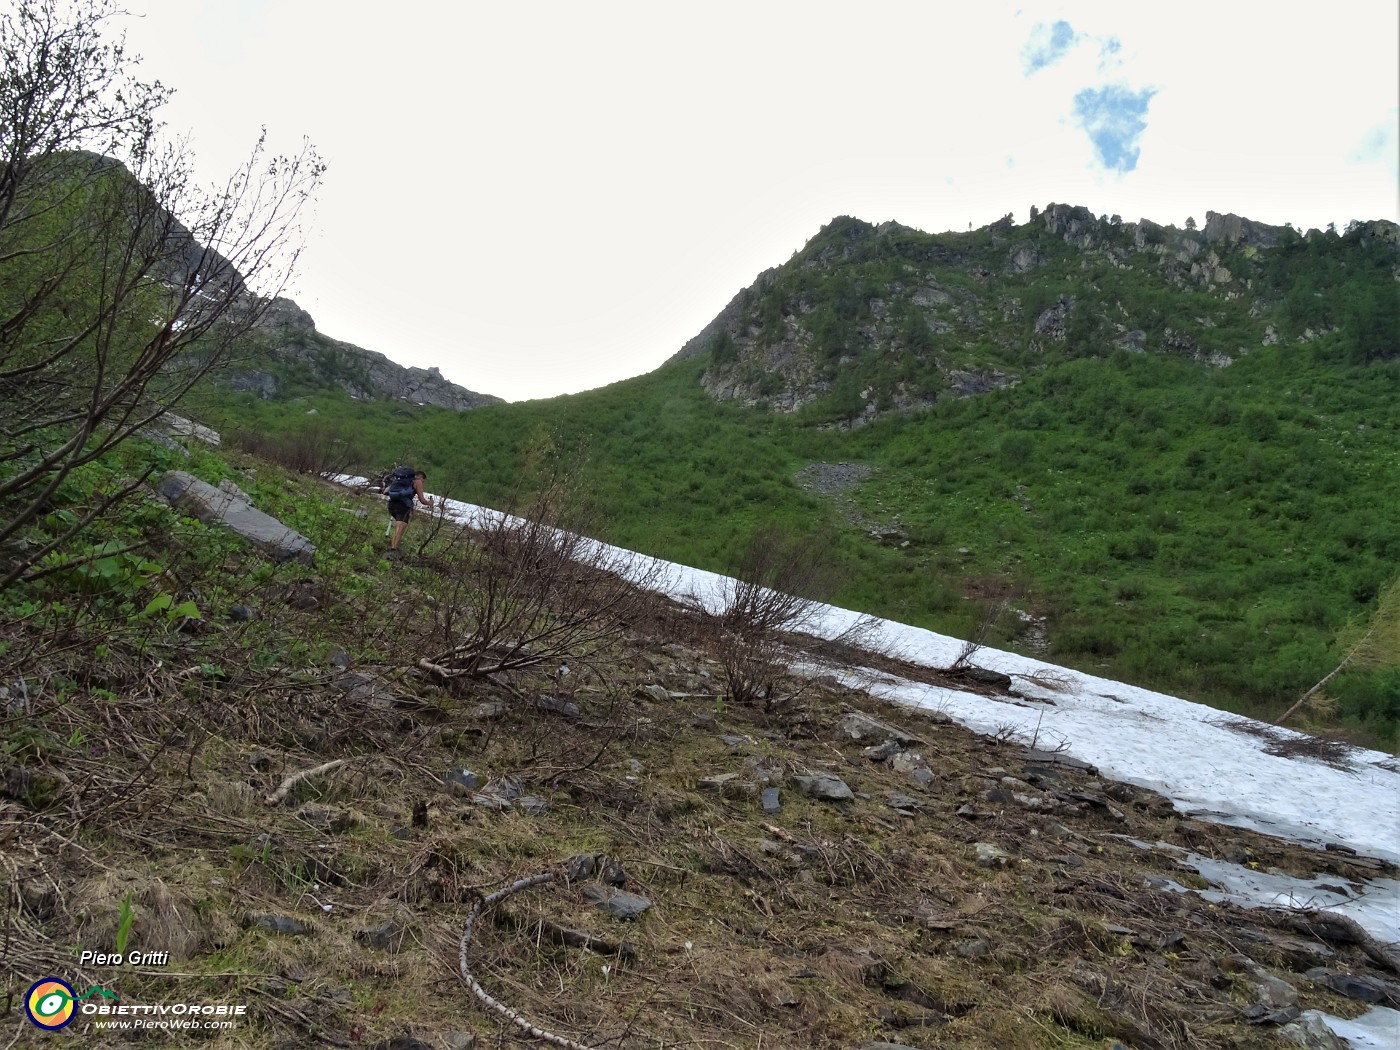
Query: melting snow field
{"x":1185,"y":751}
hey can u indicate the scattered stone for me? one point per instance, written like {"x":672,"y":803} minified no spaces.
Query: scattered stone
{"x":763,"y":770}
{"x":882,"y":752}
{"x":636,"y":765}
{"x":990,"y":856}
{"x":580,"y":867}
{"x":508,"y":788}
{"x":534,"y":805}
{"x":1367,"y":989}
{"x":491,"y":802}
{"x":281,"y":924}
{"x":461,"y":781}
{"x":912,"y":765}
{"x":730,"y":740}
{"x":240,"y":613}
{"x":611,"y":872}
{"x":339,"y":658}
{"x":659,"y":693}
{"x":901,"y":801}
{"x":459,"y":1041}
{"x":729,"y":785}
{"x":618,"y":903}
{"x":826,"y":786}
{"x":859,"y":726}
{"x":1272,"y":992}
{"x":556,"y":706}
{"x":387,"y":936}
{"x":1310,"y":1031}
{"x":769,"y":800}
{"x":489,"y":711}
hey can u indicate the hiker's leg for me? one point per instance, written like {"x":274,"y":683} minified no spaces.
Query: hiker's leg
{"x":399,"y":526}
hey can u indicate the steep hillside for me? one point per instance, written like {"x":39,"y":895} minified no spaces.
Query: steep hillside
{"x":266,"y":798}
{"x":871,"y":319}
{"x":286,"y":356}
{"x":1160,"y":454}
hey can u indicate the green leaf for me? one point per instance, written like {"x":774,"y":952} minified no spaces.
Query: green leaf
{"x":161,"y":602}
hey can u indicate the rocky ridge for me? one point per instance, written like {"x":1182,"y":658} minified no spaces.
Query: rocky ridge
{"x":872,"y":319}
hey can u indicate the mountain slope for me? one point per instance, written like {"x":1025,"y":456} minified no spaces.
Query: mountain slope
{"x":1153,"y":453}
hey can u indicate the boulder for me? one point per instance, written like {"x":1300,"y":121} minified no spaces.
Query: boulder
{"x":233,"y":510}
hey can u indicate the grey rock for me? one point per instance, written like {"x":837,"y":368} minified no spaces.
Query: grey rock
{"x":912,"y":765}
{"x":240,"y":613}
{"x":459,"y":1041}
{"x":212,"y":506}
{"x":990,"y":856}
{"x":534,"y":805}
{"x":281,"y":924}
{"x":763,"y":770}
{"x":826,"y":786}
{"x":1310,"y":1031}
{"x":901,"y":801}
{"x":728,"y":784}
{"x":1272,"y":992}
{"x":1366,"y":989}
{"x":769,"y":800}
{"x":857,"y":725}
{"x":508,"y":788}
{"x":610,"y":871}
{"x":387,"y":936}
{"x":181,"y":427}
{"x":659,"y":693}
{"x":580,"y":866}
{"x":882,"y":752}
{"x":976,"y":948}
{"x":489,"y":711}
{"x":618,"y":903}
{"x":554,"y":705}
{"x":461,"y":781}
{"x":339,"y":658}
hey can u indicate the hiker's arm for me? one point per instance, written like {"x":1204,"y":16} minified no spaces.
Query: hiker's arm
{"x":427,"y":501}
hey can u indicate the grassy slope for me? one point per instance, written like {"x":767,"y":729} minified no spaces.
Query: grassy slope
{"x":1204,"y":531}
{"x":139,"y":769}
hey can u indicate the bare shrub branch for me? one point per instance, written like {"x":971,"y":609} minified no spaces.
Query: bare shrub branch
{"x":768,"y":610}
{"x":522,"y":588}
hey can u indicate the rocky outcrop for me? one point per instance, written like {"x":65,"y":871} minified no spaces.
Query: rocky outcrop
{"x":289,"y":334}
{"x":1235,"y":229}
{"x":229,"y":506}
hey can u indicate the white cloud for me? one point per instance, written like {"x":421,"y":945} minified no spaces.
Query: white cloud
{"x":543,"y":197}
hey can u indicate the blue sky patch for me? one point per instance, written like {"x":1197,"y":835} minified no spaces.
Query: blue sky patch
{"x":1115,"y":118}
{"x":1047,"y":45}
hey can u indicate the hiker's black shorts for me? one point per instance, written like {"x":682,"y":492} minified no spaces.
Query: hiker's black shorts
{"x":400,"y":509}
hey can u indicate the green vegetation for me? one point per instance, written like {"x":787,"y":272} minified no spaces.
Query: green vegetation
{"x":1203,"y":529}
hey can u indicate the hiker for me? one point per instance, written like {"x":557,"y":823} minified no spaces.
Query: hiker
{"x":404,"y":485}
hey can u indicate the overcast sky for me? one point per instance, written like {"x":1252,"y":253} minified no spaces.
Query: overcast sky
{"x":545,"y":197}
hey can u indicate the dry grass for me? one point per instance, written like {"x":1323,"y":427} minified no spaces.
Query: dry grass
{"x":823,"y":925}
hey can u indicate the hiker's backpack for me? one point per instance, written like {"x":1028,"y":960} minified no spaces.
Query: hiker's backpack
{"x":401,"y":484}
